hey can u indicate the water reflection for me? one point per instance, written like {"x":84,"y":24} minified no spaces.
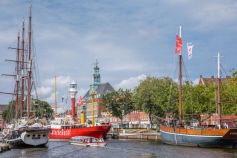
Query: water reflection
{"x":119,"y":149}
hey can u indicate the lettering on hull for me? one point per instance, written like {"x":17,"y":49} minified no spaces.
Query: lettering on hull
{"x":61,"y":132}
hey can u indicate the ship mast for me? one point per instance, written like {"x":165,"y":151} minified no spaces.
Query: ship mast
{"x":22,"y":69}
{"x":219,"y":88}
{"x":55,"y":95}
{"x":29,"y":68}
{"x":180,"y":84}
{"x":93,"y":107}
{"x":17,"y":75}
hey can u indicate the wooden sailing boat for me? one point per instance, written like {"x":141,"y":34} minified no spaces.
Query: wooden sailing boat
{"x":202,"y":137}
{"x":21,"y":132}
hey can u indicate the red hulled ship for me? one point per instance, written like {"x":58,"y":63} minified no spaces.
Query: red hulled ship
{"x":69,"y":131}
{"x":66,"y":127}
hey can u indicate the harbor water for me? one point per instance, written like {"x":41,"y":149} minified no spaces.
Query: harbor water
{"x":119,"y":149}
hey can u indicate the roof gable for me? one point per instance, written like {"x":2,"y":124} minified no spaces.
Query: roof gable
{"x":100,"y":90}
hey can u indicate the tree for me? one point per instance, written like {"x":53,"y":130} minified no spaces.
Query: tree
{"x":228,"y":95}
{"x":202,"y":99}
{"x":118,"y":103}
{"x":41,"y":109}
{"x":9,"y":112}
{"x":156,"y":97}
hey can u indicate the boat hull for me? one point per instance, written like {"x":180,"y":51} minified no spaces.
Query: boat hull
{"x":28,"y":137}
{"x":36,"y":138}
{"x":68,"y":133}
{"x":91,"y":144}
{"x":226,"y":138}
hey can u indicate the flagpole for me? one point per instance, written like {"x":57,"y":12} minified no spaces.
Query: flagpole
{"x":219,"y":88}
{"x":55,"y":95}
{"x":180,"y":82}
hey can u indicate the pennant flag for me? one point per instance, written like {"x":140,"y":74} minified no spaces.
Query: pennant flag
{"x":190,"y":50}
{"x":80,"y":101}
{"x":178,"y":45}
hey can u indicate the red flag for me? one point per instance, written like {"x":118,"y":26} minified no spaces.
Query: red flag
{"x":178,"y":45}
{"x":80,"y":101}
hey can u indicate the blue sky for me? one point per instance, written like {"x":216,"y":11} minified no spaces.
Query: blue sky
{"x":131,"y":39}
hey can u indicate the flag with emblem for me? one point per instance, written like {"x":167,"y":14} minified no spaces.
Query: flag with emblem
{"x":190,"y":50}
{"x":178,"y":45}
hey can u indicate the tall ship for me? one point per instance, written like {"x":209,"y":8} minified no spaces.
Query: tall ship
{"x":25,"y":128}
{"x":177,"y":133}
{"x":68,"y":126}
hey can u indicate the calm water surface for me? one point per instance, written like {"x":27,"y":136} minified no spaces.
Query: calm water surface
{"x":119,"y":149}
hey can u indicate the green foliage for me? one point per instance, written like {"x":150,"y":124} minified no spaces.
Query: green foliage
{"x":118,"y":103}
{"x":229,"y":95}
{"x":9,"y":112}
{"x":202,"y":99}
{"x":199,"y":99}
{"x":156,"y":97}
{"x":41,"y":109}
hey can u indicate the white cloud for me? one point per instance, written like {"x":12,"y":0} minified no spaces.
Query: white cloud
{"x":44,"y":91}
{"x":116,"y":57}
{"x":129,"y":66}
{"x":61,"y":81}
{"x":214,"y":14}
{"x":49,"y":98}
{"x":131,"y":82}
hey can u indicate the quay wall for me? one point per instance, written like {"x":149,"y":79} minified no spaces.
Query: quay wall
{"x":143,"y":136}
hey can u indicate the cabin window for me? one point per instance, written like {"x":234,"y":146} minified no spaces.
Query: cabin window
{"x":44,"y":135}
{"x":28,"y":135}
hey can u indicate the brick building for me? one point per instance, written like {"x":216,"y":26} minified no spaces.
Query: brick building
{"x":135,"y":119}
{"x":211,"y":80}
{"x":212,"y":120}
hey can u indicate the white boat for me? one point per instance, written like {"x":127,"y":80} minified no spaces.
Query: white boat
{"x":31,"y":135}
{"x":88,"y":141}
